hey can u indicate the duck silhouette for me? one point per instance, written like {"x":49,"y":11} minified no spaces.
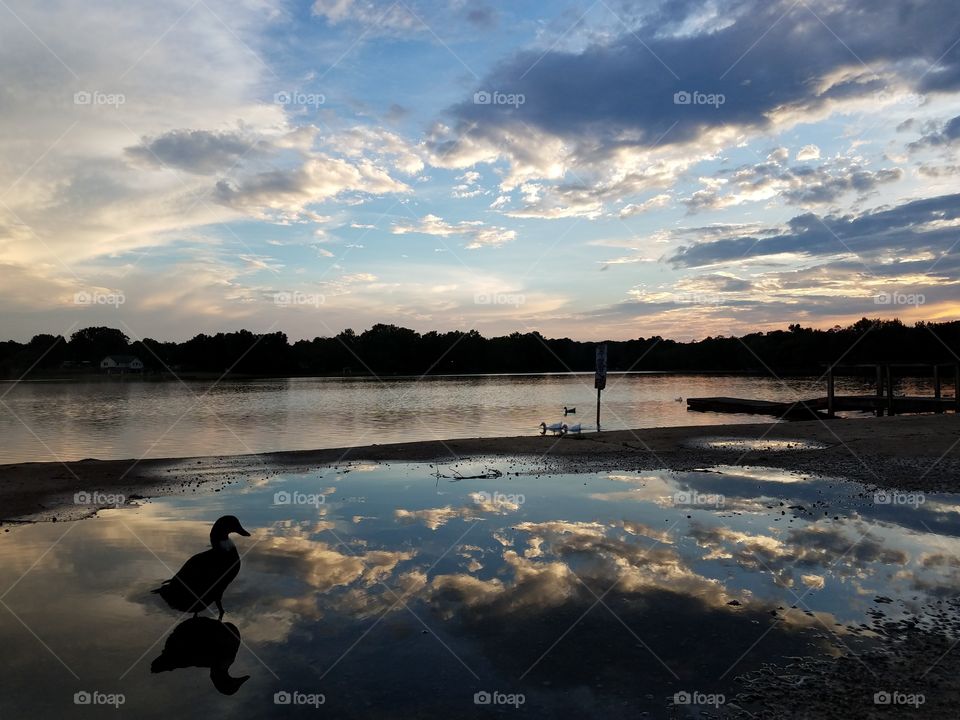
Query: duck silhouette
{"x":205,"y":643}
{"x":205,"y":576}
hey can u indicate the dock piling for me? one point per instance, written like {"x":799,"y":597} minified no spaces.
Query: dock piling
{"x":884,"y":397}
{"x":879,"y":408}
{"x":936,"y":388}
{"x":889,"y":391}
{"x":956,"y":388}
{"x":830,"y":393}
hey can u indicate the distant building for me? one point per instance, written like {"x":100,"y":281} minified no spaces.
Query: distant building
{"x":121,"y":363}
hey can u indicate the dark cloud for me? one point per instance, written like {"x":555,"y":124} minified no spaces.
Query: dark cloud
{"x":821,"y":189}
{"x":898,"y":231}
{"x":936,"y":171}
{"x":769,"y":58}
{"x":202,"y":152}
{"x":482,"y":16}
{"x":946,"y":134}
{"x":396,"y":113}
{"x":799,"y":185}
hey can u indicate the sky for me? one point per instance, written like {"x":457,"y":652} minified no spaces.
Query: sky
{"x":595,"y":170}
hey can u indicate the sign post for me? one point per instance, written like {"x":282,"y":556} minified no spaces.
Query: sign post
{"x":600,"y":379}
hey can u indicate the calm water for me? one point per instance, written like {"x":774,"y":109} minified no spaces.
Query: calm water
{"x":113,"y":420}
{"x":395,"y":593}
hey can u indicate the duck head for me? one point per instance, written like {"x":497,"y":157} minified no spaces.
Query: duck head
{"x":219,"y":535}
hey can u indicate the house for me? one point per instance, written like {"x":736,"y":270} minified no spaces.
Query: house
{"x":121,"y":363}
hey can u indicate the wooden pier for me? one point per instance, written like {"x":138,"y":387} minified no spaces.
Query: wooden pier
{"x":884,"y":401}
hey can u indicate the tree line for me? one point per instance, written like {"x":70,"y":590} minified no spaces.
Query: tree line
{"x":392,"y":350}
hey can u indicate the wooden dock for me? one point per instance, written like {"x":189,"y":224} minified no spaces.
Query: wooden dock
{"x":819,"y":407}
{"x":825,"y":407}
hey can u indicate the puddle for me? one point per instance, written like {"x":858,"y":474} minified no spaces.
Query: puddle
{"x":754,"y":444}
{"x":387,"y":590}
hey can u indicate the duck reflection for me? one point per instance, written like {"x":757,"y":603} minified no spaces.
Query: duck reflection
{"x":206,"y":643}
{"x":203,"y":578}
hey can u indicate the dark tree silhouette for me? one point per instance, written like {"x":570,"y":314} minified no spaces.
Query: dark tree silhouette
{"x":391,"y":350}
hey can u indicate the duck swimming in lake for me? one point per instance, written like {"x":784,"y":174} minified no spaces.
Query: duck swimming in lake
{"x":203,"y":578}
{"x":555,"y":428}
{"x":569,"y":411}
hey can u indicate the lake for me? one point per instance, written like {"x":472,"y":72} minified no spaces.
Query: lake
{"x":399,"y":590}
{"x":48,"y":421}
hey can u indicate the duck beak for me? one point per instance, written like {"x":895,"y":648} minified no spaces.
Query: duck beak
{"x":241,"y":531}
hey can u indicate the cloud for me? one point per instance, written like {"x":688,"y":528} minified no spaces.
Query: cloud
{"x":944,"y":134}
{"x":797,"y":65}
{"x":379,"y":17}
{"x":363,"y":141}
{"x":808,"y":152}
{"x":468,"y":186}
{"x":597,"y":135}
{"x":480,"y":504}
{"x":319,"y":178}
{"x":476,"y":233}
{"x":798,"y":185}
{"x":202,"y":152}
{"x":657,"y":201}
{"x":90,"y":199}
{"x":904,"y":230}
{"x":482,"y":16}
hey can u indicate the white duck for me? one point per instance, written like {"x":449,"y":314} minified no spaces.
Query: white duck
{"x":555,"y":428}
{"x":573,"y":428}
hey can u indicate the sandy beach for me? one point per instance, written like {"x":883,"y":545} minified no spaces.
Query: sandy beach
{"x":904,"y":452}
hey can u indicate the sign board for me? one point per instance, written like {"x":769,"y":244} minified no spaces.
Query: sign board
{"x":600,"y":379}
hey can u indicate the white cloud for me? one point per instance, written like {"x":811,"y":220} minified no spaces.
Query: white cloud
{"x":476,"y":233}
{"x":318,"y":178}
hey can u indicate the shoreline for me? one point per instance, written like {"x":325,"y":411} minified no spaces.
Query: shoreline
{"x":916,"y":452}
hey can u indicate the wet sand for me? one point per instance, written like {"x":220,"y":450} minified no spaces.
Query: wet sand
{"x":907,"y":452}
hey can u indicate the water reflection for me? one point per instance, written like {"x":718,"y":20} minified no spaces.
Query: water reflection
{"x":583,"y":592}
{"x":110,"y":420}
{"x":203,"y":643}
